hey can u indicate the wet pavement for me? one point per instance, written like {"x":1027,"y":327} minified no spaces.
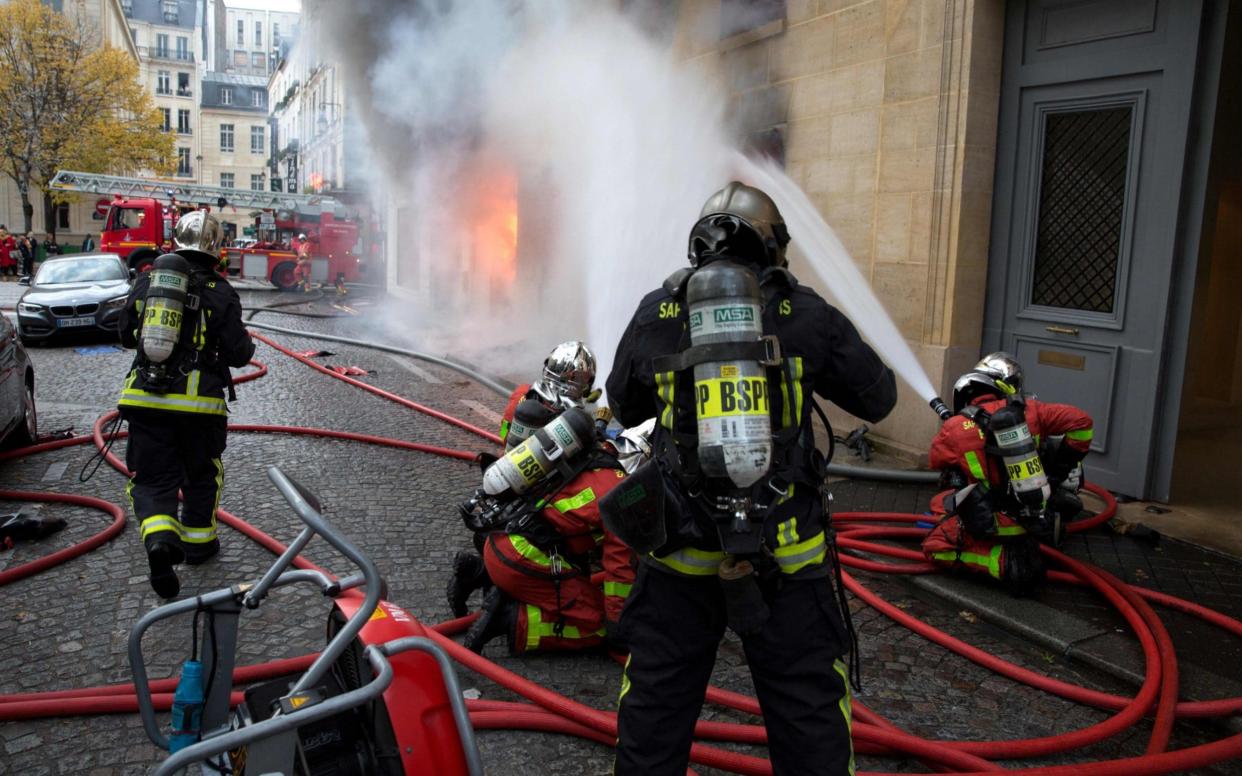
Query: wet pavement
{"x":67,"y":628}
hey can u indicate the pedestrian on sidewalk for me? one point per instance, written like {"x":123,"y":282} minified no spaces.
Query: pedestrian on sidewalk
{"x":26,"y":246}
{"x":50,"y":246}
{"x":176,"y":409}
{"x":10,"y":256}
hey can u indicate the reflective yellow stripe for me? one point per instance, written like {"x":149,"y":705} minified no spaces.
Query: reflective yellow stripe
{"x":625,"y":680}
{"x":796,"y":413}
{"x":617,"y":589}
{"x":504,"y":430}
{"x":846,"y":706}
{"x":175,"y":402}
{"x":1009,"y":530}
{"x":578,"y":501}
{"x":787,"y":533}
{"x":794,"y":557}
{"x":191,"y":383}
{"x":692,"y":562}
{"x":529,"y":551}
{"x":976,"y":469}
{"x":991,"y":561}
{"x":158,"y":523}
{"x":219,"y":487}
{"x":1082,"y":435}
{"x":666,"y":384}
{"x":785,"y":395}
{"x":190,"y":535}
{"x":537,"y":629}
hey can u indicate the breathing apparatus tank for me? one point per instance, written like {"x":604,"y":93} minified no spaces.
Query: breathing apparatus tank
{"x":1027,"y":481}
{"x":731,"y":397}
{"x":163,"y":308}
{"x":552,"y":449}
{"x":529,"y":416}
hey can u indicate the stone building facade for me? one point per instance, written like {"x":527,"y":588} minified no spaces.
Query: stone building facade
{"x":885,"y":114}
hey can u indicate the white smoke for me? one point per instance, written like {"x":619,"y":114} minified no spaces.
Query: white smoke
{"x":615,"y":146}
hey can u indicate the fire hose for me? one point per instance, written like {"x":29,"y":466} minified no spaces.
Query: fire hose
{"x":872,"y":734}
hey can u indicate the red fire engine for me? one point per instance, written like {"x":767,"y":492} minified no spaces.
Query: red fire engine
{"x":140,"y":220}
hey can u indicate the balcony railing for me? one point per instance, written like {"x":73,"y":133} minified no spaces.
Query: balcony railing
{"x":185,"y":93}
{"x":185,"y":172}
{"x":155,"y":52}
{"x":185,"y":131}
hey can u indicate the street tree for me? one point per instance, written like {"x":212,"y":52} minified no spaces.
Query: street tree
{"x":67,"y":102}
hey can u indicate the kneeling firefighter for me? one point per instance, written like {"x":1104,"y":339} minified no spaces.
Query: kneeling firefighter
{"x":185,"y":320}
{"x":730,"y":514}
{"x":1013,"y":465}
{"x":537,"y":521}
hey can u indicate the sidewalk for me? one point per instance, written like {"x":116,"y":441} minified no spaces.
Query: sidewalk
{"x":1077,"y":624}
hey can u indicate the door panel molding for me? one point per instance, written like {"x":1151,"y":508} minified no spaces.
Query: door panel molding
{"x":1111,"y":356}
{"x":1071,"y":22}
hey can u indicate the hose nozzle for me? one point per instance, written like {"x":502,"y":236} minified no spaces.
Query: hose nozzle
{"x":940,"y":408}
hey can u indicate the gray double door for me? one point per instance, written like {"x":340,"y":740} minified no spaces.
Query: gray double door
{"x":1094,"y":119}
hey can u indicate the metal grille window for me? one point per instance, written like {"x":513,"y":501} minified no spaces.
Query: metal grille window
{"x":226,"y":137}
{"x":1081,"y":206}
{"x":183,"y":122}
{"x":183,"y":161}
{"x":226,"y":180}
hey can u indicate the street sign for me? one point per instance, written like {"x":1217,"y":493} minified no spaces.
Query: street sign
{"x":267,"y":219}
{"x":101,"y":207}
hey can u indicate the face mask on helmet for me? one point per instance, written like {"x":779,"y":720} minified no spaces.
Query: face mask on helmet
{"x":1004,"y":370}
{"x":721,"y":236}
{"x":568,"y":375}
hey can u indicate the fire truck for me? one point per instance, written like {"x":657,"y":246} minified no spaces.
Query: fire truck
{"x":140,"y":220}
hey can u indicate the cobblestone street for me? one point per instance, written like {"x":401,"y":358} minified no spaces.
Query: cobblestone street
{"x":67,"y":628}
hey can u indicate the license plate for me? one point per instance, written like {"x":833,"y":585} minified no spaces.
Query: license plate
{"x":65,"y":323}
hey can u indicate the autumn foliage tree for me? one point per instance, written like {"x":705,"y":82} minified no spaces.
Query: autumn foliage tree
{"x":66,"y":102}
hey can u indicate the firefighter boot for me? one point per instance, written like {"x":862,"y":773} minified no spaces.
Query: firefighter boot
{"x":161,"y":557}
{"x":1023,"y":571}
{"x":498,"y":618}
{"x":469,"y":574}
{"x":198,"y":554}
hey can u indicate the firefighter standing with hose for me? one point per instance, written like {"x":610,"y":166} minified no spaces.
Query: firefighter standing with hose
{"x":539,"y":553}
{"x":730,"y":513}
{"x":1013,"y":466}
{"x":185,"y":321}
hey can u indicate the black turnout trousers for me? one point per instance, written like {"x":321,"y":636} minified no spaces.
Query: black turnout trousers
{"x":674,"y":624}
{"x":171,"y":451}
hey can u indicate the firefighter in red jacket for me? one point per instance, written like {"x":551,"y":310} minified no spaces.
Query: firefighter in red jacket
{"x":1014,"y":466}
{"x":543,"y":597}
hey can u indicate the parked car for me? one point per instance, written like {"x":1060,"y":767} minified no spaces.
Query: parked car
{"x":18,"y":418}
{"x":75,"y":293}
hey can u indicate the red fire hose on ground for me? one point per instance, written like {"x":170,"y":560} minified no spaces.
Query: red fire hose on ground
{"x":873,"y":735}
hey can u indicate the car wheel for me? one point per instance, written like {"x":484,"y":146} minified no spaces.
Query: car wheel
{"x":26,"y":432}
{"x":284,"y":276}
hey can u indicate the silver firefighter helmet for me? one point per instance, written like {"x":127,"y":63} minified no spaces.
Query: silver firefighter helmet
{"x":568,"y":374}
{"x":199,"y":232}
{"x":742,"y":223}
{"x":997,"y":374}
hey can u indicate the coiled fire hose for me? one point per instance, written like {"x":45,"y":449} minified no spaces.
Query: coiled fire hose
{"x":874,"y":735}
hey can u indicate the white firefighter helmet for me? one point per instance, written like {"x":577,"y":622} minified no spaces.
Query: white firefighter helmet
{"x":568,"y":374}
{"x":997,"y":374}
{"x":198,"y":232}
